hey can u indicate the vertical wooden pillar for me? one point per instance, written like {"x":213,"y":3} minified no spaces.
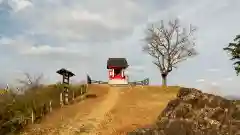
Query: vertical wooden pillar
{"x":61,"y":99}
{"x":122,"y":72}
{"x":50,"y":106}
{"x":65,"y":81}
{"x":73,"y":95}
{"x":113,"y":74}
{"x":66,"y":91}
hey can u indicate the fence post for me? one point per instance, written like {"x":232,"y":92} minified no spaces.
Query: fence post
{"x":61,"y":99}
{"x":230,"y":119}
{"x":73,"y":95}
{"x":81,"y":91}
{"x":66,"y":91}
{"x":85,"y":87}
{"x":32,"y":117}
{"x":50,"y":106}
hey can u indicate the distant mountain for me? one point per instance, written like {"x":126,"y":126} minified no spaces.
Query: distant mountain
{"x":3,"y":85}
{"x":233,"y":97}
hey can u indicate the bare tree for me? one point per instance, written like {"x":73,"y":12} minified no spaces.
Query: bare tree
{"x":169,"y":45}
{"x":31,"y":82}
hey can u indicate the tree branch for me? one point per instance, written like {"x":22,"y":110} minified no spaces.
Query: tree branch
{"x":166,"y":52}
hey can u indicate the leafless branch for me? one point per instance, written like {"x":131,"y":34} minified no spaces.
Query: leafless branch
{"x":31,"y":82}
{"x":169,"y":45}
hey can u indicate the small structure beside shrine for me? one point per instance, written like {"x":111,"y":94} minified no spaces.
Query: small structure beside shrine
{"x":65,"y":80}
{"x":116,"y":68}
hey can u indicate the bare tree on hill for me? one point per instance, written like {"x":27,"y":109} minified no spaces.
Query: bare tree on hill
{"x":169,"y":45}
{"x":31,"y":82}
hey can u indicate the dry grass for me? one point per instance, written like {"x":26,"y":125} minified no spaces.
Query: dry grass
{"x":134,"y":108}
{"x":16,"y":110}
{"x":137,"y":107}
{"x":54,"y":121}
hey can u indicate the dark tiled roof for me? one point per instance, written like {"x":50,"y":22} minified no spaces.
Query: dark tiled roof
{"x":64,"y":71}
{"x":117,"y":62}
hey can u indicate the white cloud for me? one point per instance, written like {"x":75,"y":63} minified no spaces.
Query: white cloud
{"x":214,"y":83}
{"x":46,"y":49}
{"x":18,"y":43}
{"x":213,"y":70}
{"x":85,"y":15}
{"x":134,"y":70}
{"x":229,"y":79}
{"x":137,"y":68}
{"x":5,"y":41}
{"x":78,"y":22}
{"x":200,"y":80}
{"x":18,"y":5}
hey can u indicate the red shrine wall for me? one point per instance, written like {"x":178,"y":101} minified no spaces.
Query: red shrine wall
{"x":116,"y":73}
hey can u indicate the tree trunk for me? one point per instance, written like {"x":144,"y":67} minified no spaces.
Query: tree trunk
{"x":164,"y":79}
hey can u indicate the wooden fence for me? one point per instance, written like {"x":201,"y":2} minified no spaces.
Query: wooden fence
{"x":134,"y":83}
{"x":19,"y":110}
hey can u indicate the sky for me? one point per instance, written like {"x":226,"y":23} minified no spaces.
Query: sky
{"x":42,"y":36}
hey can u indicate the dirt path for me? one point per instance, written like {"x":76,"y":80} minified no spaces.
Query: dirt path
{"x":88,"y":125}
{"x":56,"y":120}
{"x":136,"y":108}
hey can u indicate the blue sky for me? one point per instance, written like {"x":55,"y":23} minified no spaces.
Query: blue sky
{"x":41,"y":36}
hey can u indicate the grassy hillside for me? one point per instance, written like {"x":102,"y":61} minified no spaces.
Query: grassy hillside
{"x":16,"y":110}
{"x":238,"y":102}
{"x":136,"y":107}
{"x":116,"y":110}
{"x":194,"y":112}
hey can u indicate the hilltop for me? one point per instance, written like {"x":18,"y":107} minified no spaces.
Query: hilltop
{"x":111,"y":111}
{"x":195,"y":113}
{"x":134,"y":110}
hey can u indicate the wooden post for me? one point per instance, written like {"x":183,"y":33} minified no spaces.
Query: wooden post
{"x":50,"y":106}
{"x":65,"y":95}
{"x":65,"y":80}
{"x":81,"y":91}
{"x":73,"y":95}
{"x":230,"y":119}
{"x":61,"y":99}
{"x":85,"y":87}
{"x":32,"y":117}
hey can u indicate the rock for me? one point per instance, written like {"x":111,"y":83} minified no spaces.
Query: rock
{"x":196,"y":113}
